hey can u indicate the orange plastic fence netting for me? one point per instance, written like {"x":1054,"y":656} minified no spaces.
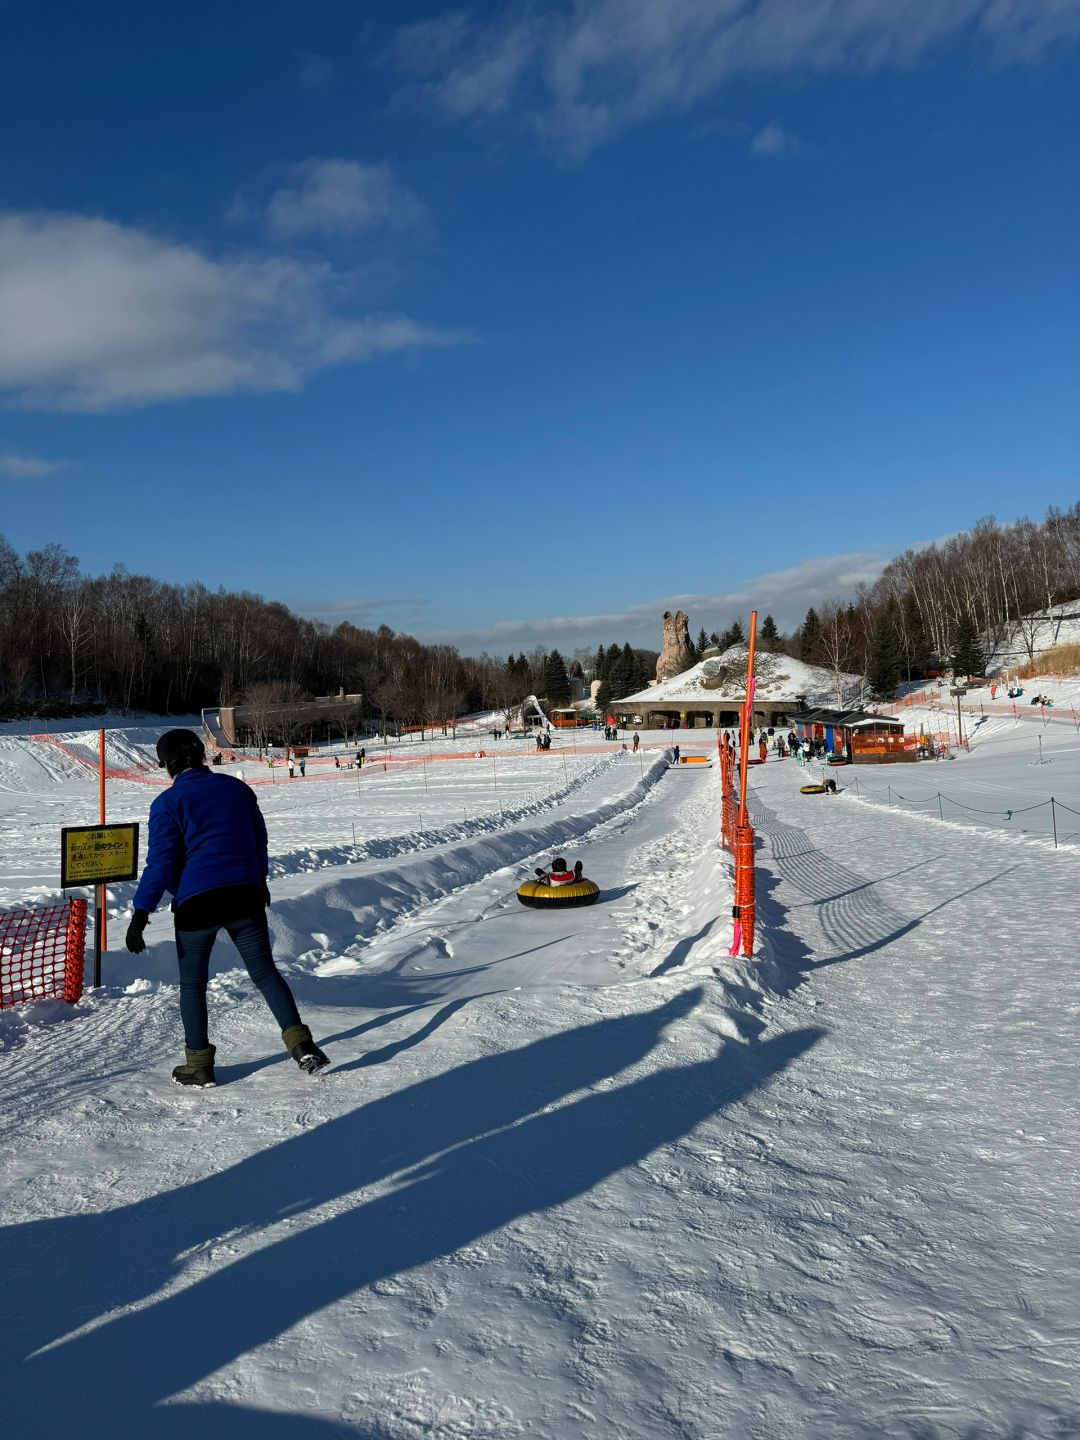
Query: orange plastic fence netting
{"x":41,"y":953}
{"x":147,"y":774}
{"x":745,"y":906}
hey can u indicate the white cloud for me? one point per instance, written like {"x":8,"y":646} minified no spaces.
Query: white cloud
{"x":342,"y":197}
{"x":96,"y":316}
{"x":28,"y":467}
{"x":774,"y":143}
{"x":785,"y":594}
{"x":584,"y":72}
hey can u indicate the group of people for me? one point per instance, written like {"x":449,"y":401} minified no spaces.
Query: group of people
{"x":543,"y":740}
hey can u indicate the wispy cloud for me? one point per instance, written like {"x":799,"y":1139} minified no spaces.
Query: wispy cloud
{"x":28,"y":467}
{"x":580,"y":74}
{"x":316,"y":72}
{"x":342,"y":197}
{"x":363,"y":610}
{"x":785,"y":594}
{"x":776,"y":143}
{"x":97,"y":316}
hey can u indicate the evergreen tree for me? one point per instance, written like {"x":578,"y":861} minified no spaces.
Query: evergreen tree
{"x":702,"y":642}
{"x":916,"y":647}
{"x":886,"y":657}
{"x":598,"y":663}
{"x":556,"y":682}
{"x":769,"y":635}
{"x":967,"y":656}
{"x":714,"y":638}
{"x":810,"y":635}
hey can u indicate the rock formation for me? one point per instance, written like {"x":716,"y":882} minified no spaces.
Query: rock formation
{"x":676,"y":654}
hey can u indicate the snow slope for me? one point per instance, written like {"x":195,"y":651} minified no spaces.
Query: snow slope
{"x":579,"y":1173}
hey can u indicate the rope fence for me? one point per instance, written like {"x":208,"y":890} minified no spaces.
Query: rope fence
{"x":891,"y":795}
{"x":41,"y":953}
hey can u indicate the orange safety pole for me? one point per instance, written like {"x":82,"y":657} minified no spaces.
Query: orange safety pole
{"x":101,"y":820}
{"x":743,"y":910}
{"x":720,"y":757}
{"x":744,"y":724}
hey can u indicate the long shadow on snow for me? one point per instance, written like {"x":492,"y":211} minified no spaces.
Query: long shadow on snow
{"x":391,"y":987}
{"x":681,"y":949}
{"x":480,"y":1151}
{"x":852,"y":918}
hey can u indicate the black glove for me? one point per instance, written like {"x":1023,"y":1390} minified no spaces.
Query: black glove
{"x":266,"y":893}
{"x":134,"y":938}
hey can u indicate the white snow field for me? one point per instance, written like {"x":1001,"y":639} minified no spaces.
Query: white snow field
{"x":572,"y":1174}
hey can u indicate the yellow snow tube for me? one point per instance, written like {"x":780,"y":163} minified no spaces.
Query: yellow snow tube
{"x":557,"y":897}
{"x":812,"y":790}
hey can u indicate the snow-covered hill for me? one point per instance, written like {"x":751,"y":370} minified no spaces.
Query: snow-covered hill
{"x":779,"y":677}
{"x":1031,"y":636}
{"x":578,"y":1173}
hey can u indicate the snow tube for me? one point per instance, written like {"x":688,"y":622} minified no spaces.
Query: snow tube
{"x":557,"y":897}
{"x":811,"y":789}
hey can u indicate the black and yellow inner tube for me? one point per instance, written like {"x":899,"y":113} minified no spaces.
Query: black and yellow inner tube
{"x":557,"y":897}
{"x":811,"y":789}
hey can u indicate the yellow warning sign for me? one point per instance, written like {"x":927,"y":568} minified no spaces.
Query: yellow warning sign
{"x":93,"y":855}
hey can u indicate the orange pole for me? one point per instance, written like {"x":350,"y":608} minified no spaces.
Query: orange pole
{"x":101,"y":808}
{"x":744,"y":725}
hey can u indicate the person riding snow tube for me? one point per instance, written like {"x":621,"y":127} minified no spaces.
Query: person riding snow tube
{"x":558,"y":888}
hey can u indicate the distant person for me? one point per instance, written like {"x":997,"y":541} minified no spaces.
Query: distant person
{"x":208,"y":850}
{"x":763,"y":749}
{"x":637,"y":741}
{"x":292,"y":768}
{"x":675,"y":755}
{"x":337,"y":763}
{"x":303,"y":767}
{"x":363,"y":757}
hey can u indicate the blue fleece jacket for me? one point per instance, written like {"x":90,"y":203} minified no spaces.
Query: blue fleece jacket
{"x":206,"y":831}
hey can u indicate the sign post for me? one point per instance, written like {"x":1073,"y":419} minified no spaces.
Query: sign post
{"x":96,"y":855}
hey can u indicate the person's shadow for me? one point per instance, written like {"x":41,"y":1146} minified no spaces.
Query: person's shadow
{"x":474,"y":1149}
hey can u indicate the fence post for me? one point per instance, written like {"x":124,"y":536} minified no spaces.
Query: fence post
{"x":941,"y":815}
{"x":1053,"y":820}
{"x":889,"y":788}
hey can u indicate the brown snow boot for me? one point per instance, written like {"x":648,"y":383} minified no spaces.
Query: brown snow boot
{"x":199,"y":1069}
{"x":300,"y":1045}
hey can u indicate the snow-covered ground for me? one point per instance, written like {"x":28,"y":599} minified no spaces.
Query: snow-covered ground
{"x":572,"y":1174}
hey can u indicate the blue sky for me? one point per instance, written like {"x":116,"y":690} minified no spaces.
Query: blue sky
{"x":518,"y":323}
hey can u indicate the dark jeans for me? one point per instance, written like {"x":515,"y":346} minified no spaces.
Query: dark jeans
{"x":252,"y":939}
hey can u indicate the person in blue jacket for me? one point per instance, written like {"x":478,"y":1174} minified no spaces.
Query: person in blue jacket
{"x":207,"y":849}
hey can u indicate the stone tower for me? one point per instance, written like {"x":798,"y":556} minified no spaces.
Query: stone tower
{"x":676,"y":652}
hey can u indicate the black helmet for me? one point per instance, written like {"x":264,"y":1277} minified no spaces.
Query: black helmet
{"x":179,"y":750}
{"x":558,"y":865}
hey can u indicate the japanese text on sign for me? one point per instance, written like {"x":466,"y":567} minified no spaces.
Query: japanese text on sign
{"x":94,"y":854}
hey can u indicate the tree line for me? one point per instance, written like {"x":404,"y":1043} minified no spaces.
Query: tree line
{"x":948,"y":605}
{"x":73,"y":643}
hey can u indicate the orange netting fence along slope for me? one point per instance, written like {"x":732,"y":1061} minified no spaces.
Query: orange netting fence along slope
{"x":41,"y":953}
